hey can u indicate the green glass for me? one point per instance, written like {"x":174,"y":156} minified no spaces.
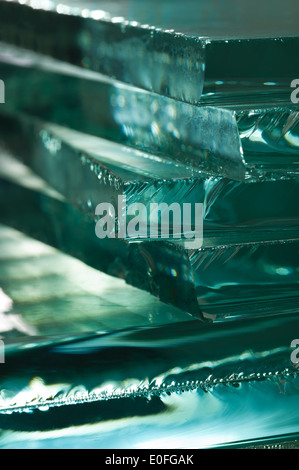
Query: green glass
{"x":51,"y":294}
{"x":56,"y":223}
{"x":89,"y":171}
{"x":204,"y":137}
{"x":216,"y":282}
{"x":158,"y":102}
{"x":230,"y":281}
{"x":179,"y":51}
{"x":82,"y":390}
{"x":237,"y":137}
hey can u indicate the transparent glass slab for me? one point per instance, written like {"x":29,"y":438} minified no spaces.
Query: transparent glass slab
{"x":52,"y":221}
{"x":168,"y":49}
{"x":233,"y":384}
{"x":214,"y":283}
{"x":238,"y":138}
{"x":270,"y":140}
{"x":204,"y":137}
{"x":44,"y":292}
{"x":244,"y":280}
{"x":89,"y":171}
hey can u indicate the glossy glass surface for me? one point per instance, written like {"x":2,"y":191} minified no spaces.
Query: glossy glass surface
{"x":177,"y":387}
{"x":224,"y":279}
{"x":240,"y":137}
{"x":166,"y":48}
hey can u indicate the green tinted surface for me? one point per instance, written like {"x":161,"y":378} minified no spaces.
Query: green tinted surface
{"x":89,"y":171}
{"x":233,"y":384}
{"x":235,"y":136}
{"x":204,"y":137}
{"x":166,"y":48}
{"x":222,"y":282}
{"x":44,"y":293}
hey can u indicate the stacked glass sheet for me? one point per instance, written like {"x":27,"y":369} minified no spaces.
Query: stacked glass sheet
{"x":149,"y":186}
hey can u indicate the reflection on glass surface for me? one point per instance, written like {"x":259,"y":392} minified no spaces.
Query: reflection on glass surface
{"x":169,"y":49}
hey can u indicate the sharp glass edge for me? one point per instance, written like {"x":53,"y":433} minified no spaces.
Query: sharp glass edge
{"x":144,"y":391}
{"x":176,"y":65}
{"x":99,"y":23}
{"x":256,"y":141}
{"x":37,"y":215}
{"x":105,"y":173}
{"x":203,"y":137}
{"x":195,"y":359}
